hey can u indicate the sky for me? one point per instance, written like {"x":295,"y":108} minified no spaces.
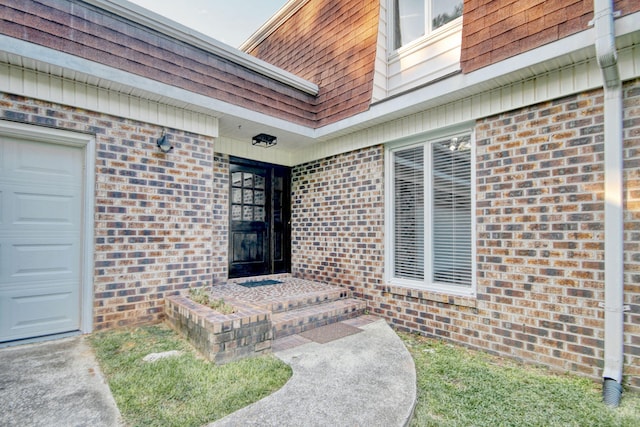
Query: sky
{"x":229,"y":21}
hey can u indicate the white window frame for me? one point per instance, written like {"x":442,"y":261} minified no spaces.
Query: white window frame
{"x":429,"y":34}
{"x":426,"y":284}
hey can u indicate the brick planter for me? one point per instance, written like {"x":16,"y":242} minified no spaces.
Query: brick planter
{"x":220,"y":337}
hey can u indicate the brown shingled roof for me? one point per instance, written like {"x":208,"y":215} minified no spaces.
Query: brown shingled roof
{"x":329,"y":43}
{"x":91,"y":33}
{"x":333,"y":44}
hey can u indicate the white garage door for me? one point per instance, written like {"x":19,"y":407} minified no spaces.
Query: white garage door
{"x":40,"y":238}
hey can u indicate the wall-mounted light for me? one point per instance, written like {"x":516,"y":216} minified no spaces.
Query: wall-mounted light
{"x":163,"y":143}
{"x":264,"y":140}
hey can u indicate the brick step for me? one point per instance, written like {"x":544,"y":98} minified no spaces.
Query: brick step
{"x":303,"y":319}
{"x":296,"y":302}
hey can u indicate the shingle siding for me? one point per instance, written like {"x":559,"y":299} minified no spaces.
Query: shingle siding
{"x":333,"y":44}
{"x":494,"y":30}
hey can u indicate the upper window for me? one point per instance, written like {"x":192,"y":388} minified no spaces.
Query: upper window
{"x":431,"y":215}
{"x":417,"y":18}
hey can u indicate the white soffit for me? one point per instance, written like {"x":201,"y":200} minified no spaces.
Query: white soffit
{"x":74,"y":69}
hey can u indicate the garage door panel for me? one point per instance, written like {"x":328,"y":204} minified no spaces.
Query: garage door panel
{"x":31,"y":262}
{"x":26,"y":260}
{"x":44,"y":209}
{"x":38,"y":311}
{"x":41,"y":202}
{"x":53,"y":162}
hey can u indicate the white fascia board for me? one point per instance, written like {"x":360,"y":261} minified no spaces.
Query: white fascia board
{"x":192,"y":37}
{"x":517,"y":68}
{"x":142,"y":85}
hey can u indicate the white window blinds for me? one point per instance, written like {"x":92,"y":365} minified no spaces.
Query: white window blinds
{"x":408,"y":172}
{"x":432,"y":223}
{"x":451,"y":211}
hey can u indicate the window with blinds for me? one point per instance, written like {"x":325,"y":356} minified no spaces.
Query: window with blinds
{"x":408,"y":172}
{"x":451,"y":211}
{"x":432,"y":222}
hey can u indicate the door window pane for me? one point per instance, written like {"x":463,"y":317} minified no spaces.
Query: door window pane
{"x":247,"y":196}
{"x":248,"y":180}
{"x":247,"y":213}
{"x":236,"y":213}
{"x":236,"y":179}
{"x":236,"y":195}
{"x":259,"y":214}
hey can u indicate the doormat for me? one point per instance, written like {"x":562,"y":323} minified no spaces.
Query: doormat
{"x":333,"y":331}
{"x":257,"y":283}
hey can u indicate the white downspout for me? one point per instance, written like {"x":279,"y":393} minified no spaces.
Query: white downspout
{"x":614,"y":203}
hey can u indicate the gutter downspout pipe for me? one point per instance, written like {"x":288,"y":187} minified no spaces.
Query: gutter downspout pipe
{"x":614,"y":203}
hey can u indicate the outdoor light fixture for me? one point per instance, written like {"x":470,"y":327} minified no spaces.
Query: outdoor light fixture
{"x":264,"y":140}
{"x":163,"y":143}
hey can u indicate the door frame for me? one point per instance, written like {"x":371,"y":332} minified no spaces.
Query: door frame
{"x":270,"y":229}
{"x":87,"y":143}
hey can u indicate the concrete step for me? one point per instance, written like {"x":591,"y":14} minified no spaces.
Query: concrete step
{"x":296,"y":302}
{"x":302,"y":319}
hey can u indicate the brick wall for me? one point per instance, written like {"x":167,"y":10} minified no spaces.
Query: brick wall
{"x":220,"y":219}
{"x":494,"y":30}
{"x":540,"y":215}
{"x":540,"y":237}
{"x":155,"y":214}
{"x":337,"y":220}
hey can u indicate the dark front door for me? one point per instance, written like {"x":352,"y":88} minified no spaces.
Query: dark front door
{"x":259,"y":241}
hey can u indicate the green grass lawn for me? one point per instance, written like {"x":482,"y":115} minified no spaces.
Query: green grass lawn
{"x":456,"y":386}
{"x":181,"y":391}
{"x":460,"y":387}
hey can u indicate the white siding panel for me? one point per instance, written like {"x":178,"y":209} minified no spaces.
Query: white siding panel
{"x":528,"y":92}
{"x":426,"y":61}
{"x":629,"y":62}
{"x":554,"y":84}
{"x":380,"y":74}
{"x":62,"y":90}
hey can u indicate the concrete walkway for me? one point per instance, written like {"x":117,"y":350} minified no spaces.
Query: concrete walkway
{"x":363,"y":379}
{"x":352,"y":373}
{"x":54,"y":383}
